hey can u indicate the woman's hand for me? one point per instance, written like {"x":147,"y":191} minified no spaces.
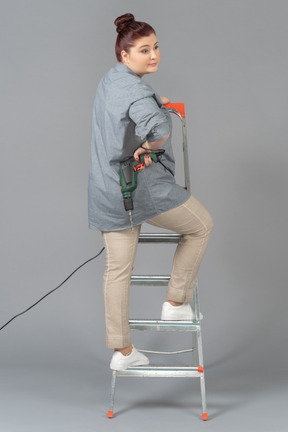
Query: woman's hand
{"x":148,"y":161}
{"x":148,"y":147}
{"x":164,"y":100}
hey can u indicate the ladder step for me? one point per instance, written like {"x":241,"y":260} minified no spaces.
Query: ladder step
{"x":150,"y":280}
{"x":161,"y":372}
{"x":159,"y":325}
{"x":159,"y":238}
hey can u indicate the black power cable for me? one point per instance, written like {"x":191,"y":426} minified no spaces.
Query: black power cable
{"x":53,"y":289}
{"x":159,"y":153}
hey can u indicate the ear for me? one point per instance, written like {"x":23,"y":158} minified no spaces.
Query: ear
{"x":125,"y":56}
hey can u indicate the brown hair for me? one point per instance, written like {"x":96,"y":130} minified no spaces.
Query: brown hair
{"x":129,"y":31}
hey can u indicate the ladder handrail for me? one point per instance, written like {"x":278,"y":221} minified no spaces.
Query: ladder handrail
{"x":179,"y":109}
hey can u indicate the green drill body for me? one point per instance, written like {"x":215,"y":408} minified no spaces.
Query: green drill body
{"x":128,"y":179}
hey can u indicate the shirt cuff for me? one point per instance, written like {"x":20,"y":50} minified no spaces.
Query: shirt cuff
{"x":158,"y":132}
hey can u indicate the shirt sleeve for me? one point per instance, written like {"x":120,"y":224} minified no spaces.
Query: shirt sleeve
{"x":151,"y":123}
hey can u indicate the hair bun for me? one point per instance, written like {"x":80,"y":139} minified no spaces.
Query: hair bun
{"x":123,"y":21}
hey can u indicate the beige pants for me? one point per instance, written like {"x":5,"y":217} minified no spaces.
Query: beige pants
{"x":191,"y":220}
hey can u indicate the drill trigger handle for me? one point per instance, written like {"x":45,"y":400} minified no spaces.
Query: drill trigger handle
{"x":139,"y":167}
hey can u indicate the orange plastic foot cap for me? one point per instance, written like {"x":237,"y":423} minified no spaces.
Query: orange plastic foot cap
{"x":200,"y":369}
{"x":110,"y":414}
{"x":204,"y":416}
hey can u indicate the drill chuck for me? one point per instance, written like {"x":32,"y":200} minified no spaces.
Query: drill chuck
{"x":128,"y":204}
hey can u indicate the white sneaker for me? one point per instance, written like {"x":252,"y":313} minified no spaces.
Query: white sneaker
{"x":183,"y":312}
{"x":121,"y":362}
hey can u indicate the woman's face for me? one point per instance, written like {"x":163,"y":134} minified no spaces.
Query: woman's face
{"x":144,"y":56}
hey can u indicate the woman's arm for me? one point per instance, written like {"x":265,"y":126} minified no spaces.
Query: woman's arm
{"x":153,"y":145}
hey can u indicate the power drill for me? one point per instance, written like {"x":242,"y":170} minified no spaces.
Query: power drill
{"x":128,"y":178}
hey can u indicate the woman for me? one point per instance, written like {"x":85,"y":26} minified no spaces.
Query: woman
{"x":129,"y":119}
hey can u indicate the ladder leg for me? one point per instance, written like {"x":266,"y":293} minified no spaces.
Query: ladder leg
{"x":194,"y":336}
{"x":202,"y":377}
{"x":196,"y":302}
{"x":112,"y":394}
{"x":195,"y":349}
{"x":200,"y":354}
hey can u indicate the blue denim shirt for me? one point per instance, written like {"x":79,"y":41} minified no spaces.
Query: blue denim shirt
{"x":126,"y":113}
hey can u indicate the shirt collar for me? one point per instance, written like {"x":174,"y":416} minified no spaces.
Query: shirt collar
{"x":120,"y":67}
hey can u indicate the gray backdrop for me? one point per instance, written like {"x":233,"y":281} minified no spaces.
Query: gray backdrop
{"x":227,"y":60}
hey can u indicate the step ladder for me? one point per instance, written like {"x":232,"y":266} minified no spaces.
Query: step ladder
{"x":196,"y":370}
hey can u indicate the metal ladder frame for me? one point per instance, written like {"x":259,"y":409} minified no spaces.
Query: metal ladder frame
{"x":197,"y":369}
